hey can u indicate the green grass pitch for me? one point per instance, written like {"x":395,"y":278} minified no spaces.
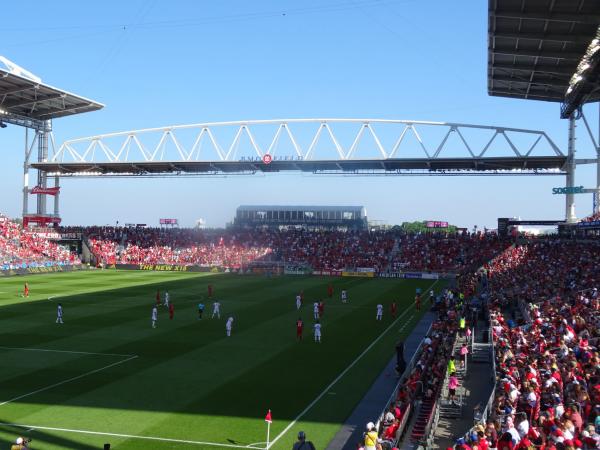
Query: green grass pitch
{"x":106,"y":376}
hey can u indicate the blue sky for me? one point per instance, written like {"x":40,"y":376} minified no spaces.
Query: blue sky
{"x":157,"y":63}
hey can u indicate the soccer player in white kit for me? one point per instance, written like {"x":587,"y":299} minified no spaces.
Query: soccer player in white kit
{"x":154,"y":316}
{"x":228,"y":326}
{"x":317,"y":327}
{"x":59,"y":314}
{"x":216,"y":310}
{"x":316,"y":310}
{"x":344,"y":296}
{"x":379,"y":311}
{"x":298,"y":301}
{"x":167,"y":299}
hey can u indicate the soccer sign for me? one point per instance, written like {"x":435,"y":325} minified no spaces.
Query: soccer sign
{"x":568,"y":190}
{"x":267,"y":158}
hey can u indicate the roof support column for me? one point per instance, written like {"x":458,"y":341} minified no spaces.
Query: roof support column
{"x":26,"y":175}
{"x":597,"y":193}
{"x":570,"y":169}
{"x":42,"y":178}
{"x":56,"y":198}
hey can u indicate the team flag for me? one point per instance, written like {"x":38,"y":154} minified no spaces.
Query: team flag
{"x":268,"y":417}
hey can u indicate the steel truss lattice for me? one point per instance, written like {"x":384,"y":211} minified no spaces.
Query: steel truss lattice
{"x":133,"y":149}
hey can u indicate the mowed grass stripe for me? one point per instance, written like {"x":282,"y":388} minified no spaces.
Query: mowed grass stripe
{"x":189,"y":378}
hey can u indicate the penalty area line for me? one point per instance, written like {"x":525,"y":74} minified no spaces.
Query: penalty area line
{"x":91,"y":372}
{"x":65,"y":351}
{"x":129,"y":436}
{"x":341,"y":375}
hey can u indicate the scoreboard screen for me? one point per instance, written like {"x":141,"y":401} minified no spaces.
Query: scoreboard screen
{"x":436,"y":224}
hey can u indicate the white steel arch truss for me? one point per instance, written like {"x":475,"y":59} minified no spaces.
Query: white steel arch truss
{"x":132,"y":146}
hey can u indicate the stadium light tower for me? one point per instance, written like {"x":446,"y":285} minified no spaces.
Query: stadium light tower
{"x":27,"y":102}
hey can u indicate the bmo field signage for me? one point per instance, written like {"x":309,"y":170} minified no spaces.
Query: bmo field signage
{"x":568,"y":190}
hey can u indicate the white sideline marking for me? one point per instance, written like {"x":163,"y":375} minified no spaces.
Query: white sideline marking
{"x":64,"y":351}
{"x":403,"y":326}
{"x":91,"y":372}
{"x":339,"y":377}
{"x":129,"y":436}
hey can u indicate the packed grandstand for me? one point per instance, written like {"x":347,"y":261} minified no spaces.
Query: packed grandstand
{"x":540,"y":297}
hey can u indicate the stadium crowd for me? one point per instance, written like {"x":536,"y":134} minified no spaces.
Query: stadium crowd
{"x":22,"y":249}
{"x":327,"y":250}
{"x":545,"y":316}
{"x":443,"y":252}
{"x":591,"y":218}
{"x":321,"y":250}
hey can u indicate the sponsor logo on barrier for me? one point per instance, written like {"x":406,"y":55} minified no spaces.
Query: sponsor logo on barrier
{"x":413,"y":275}
{"x":389,"y":275}
{"x":359,"y":274}
{"x":416,"y":275}
{"x":430,"y":276}
{"x":296,"y":272}
{"x":163,"y":267}
{"x":40,"y":270}
{"x":328,"y":273}
{"x":44,"y":269}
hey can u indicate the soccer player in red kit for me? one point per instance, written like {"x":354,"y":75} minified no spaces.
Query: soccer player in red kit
{"x":321,"y":308}
{"x":171,"y":311}
{"x":26,"y":290}
{"x":393,"y":309}
{"x":330,"y":290}
{"x":210,"y":291}
{"x":299,"y":327}
{"x":418,"y":302}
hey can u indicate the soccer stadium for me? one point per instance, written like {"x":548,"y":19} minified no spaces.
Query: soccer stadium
{"x":335,"y":294}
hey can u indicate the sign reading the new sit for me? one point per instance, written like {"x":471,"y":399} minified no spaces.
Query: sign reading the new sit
{"x":568,"y":190}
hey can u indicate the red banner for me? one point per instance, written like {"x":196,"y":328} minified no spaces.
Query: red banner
{"x":48,"y":190}
{"x":40,"y":220}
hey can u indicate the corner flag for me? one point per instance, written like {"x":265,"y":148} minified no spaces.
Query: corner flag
{"x":269,"y":420}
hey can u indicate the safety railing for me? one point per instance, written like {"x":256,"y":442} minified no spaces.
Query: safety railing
{"x":409,"y":367}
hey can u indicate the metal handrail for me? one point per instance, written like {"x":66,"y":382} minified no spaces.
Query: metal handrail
{"x":401,"y":381}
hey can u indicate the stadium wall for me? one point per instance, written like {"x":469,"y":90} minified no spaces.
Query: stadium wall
{"x":44,"y":269}
{"x":279,"y":270}
{"x":167,"y":268}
